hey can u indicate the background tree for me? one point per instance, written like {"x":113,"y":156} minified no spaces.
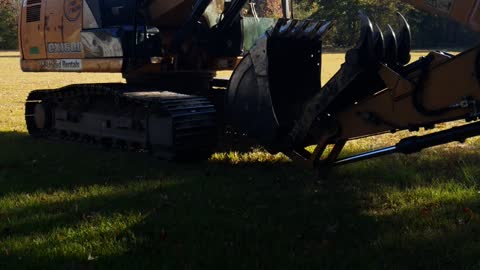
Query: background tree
{"x":428,"y":31}
{"x":9,"y":10}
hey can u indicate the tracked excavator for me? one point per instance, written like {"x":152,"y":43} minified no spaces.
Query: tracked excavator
{"x":172,"y":104}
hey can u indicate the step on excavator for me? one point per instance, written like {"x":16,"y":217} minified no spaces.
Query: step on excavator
{"x":172,"y":104}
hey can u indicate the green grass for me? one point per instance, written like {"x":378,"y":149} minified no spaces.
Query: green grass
{"x":69,"y":206}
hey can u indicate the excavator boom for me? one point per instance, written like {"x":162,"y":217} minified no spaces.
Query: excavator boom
{"x":377,"y":90}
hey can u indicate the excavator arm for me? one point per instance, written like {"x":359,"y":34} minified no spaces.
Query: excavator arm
{"x":376,"y":91}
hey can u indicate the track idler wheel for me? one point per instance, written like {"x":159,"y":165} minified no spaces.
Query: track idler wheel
{"x":39,"y":117}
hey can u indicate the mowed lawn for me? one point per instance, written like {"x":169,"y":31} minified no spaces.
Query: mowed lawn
{"x":69,"y":206}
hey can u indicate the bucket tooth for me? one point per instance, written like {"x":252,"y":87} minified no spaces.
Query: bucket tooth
{"x":299,"y":29}
{"x":364,"y":51}
{"x":311,"y":30}
{"x":391,"y":47}
{"x":278,"y":26}
{"x":322,"y":30}
{"x":286,"y":29}
{"x":404,"y":41}
{"x":379,"y":42}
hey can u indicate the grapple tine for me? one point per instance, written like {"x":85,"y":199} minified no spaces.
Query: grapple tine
{"x":391,"y":46}
{"x":323,"y":29}
{"x":364,"y":51}
{"x":365,"y":21}
{"x":366,"y":33}
{"x":404,"y":41}
{"x":379,"y":42}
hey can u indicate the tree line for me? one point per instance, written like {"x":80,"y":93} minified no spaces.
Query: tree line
{"x":428,"y":31}
{"x":9,"y":10}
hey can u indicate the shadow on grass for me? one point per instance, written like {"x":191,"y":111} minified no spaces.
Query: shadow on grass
{"x":67,"y":206}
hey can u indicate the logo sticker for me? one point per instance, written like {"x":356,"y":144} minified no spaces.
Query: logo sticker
{"x":61,"y":65}
{"x":74,"y":47}
{"x":72,"y":9}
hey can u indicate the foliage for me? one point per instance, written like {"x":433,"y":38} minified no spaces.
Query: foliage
{"x":269,"y":8}
{"x":305,"y":9}
{"x":428,"y":30}
{"x":8,"y":23}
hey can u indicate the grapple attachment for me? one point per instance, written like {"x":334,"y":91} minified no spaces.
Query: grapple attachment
{"x":275,"y":94}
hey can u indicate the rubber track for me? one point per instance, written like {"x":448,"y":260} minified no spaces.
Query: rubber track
{"x":193,"y":117}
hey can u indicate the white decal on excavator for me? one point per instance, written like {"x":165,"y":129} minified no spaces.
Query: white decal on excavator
{"x":61,"y":65}
{"x":441,"y":5}
{"x":73,"y":47}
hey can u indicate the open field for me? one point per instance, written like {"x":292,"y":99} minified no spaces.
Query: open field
{"x":67,"y":206}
